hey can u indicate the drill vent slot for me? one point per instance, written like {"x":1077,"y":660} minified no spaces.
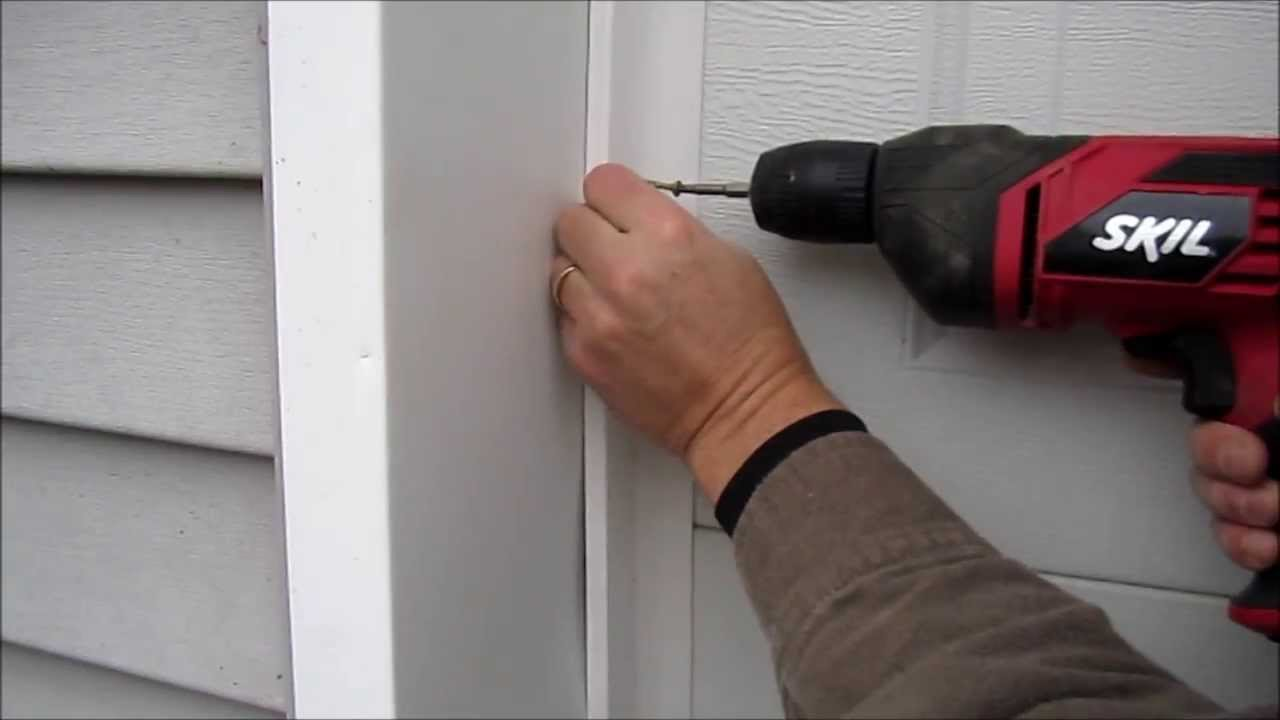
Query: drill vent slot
{"x":1269,"y":208}
{"x":1260,"y":266}
{"x":1030,"y":249}
{"x":1268,"y":230}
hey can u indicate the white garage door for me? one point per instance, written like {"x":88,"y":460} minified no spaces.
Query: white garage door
{"x":1044,"y":442}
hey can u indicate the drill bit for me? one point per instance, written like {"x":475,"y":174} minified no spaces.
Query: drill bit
{"x":730,"y":189}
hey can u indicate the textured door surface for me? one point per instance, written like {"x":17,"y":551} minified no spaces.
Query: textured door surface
{"x":1044,"y":442}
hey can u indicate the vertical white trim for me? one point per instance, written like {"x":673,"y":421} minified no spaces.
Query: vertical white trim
{"x":327,"y":227}
{"x":645,"y":110}
{"x":264,"y":103}
{"x":595,"y":448}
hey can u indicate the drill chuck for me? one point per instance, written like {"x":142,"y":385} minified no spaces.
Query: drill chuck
{"x":818,"y":191}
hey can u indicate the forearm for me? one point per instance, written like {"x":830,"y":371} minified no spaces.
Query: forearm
{"x":878,"y":600}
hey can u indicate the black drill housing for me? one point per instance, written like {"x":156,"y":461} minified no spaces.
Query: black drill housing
{"x":929,"y":199}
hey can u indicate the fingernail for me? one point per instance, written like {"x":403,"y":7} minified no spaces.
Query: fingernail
{"x":1257,"y":547}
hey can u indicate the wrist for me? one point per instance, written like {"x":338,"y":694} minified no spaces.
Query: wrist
{"x":747,"y":420}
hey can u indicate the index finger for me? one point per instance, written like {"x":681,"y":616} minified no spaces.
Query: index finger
{"x":624,"y":198}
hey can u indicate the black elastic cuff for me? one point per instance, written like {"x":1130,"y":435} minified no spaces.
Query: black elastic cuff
{"x":743,"y":484}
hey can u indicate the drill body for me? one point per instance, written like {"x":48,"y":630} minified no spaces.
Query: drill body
{"x":1172,"y":243}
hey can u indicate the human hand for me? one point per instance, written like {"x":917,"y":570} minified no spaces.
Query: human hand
{"x":679,"y":332}
{"x":1230,"y":479}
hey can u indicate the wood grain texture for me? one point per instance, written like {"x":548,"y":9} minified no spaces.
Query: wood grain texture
{"x":1188,"y":634}
{"x":138,"y":306}
{"x":1046,"y":446}
{"x":1120,"y":73}
{"x":41,"y":685}
{"x":157,"y":560}
{"x":128,"y":87}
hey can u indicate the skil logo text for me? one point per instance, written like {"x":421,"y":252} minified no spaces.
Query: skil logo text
{"x":1155,"y":236}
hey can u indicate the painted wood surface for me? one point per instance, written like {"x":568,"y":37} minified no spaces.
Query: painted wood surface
{"x":601,"y":491}
{"x":138,"y":306}
{"x":484,"y":418}
{"x":1185,"y":634}
{"x":1045,"y":443}
{"x":733,"y":674}
{"x":644,"y":107}
{"x":326,"y":220}
{"x":155,"y":559}
{"x":41,"y":685}
{"x":116,"y":87}
{"x":423,"y":394}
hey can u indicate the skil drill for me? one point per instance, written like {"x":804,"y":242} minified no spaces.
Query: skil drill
{"x":1172,"y":243}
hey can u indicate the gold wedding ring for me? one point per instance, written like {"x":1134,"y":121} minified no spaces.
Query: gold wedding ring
{"x":559,"y":283}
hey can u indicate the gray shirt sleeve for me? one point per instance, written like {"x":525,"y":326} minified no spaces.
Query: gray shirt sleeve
{"x":878,"y":601}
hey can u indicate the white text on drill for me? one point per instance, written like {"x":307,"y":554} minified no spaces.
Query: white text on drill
{"x":1157,"y":237}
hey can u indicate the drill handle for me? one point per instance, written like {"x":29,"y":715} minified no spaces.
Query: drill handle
{"x":1257,"y":606}
{"x":1232,"y":374}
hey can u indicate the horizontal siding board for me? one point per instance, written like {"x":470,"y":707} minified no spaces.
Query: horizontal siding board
{"x":138,"y":306}
{"x":156,"y":559}
{"x":171,"y":88}
{"x":1188,"y":634}
{"x":41,"y":685}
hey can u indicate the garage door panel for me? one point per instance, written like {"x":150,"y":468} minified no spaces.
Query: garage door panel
{"x":782,"y":69}
{"x":1120,"y":72}
{"x":1045,"y":442}
{"x":1080,"y":355}
{"x":1007,"y":66}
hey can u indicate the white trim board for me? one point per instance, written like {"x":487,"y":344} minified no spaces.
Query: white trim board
{"x":644,"y":110}
{"x":330,"y":335}
{"x":431,"y":439}
{"x":595,"y":450}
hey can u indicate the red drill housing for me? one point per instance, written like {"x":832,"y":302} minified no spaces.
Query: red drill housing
{"x":1172,"y":243}
{"x":1049,"y":221}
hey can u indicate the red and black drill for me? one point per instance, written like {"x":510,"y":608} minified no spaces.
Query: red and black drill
{"x":1172,"y":243}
